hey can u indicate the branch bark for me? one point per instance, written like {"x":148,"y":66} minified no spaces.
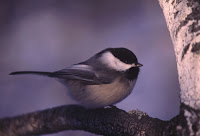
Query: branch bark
{"x":105,"y":121}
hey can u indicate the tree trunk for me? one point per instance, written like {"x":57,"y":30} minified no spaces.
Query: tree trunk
{"x":182,"y":17}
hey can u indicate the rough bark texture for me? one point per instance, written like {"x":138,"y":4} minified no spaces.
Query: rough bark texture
{"x":107,"y":121}
{"x":104,"y":121}
{"x":182,"y":17}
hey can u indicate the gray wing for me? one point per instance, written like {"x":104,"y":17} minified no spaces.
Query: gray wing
{"x":82,"y":73}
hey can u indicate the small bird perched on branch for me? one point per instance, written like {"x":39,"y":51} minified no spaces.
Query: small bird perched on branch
{"x":105,"y":79}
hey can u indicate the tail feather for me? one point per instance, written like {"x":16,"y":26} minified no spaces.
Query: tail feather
{"x":31,"y":72}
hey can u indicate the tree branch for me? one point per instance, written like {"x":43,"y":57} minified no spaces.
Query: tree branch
{"x":107,"y":121}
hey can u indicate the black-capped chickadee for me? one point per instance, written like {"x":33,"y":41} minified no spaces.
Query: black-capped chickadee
{"x":105,"y":79}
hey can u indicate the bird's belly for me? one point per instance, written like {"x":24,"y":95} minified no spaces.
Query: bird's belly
{"x":95,"y":96}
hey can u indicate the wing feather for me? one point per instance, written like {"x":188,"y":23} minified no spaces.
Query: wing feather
{"x":83,"y":73}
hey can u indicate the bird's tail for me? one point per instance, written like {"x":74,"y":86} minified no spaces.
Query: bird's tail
{"x":31,"y":72}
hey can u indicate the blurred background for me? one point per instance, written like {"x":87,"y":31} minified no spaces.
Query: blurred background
{"x":49,"y":35}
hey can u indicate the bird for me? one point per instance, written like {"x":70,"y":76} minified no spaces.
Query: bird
{"x":105,"y":79}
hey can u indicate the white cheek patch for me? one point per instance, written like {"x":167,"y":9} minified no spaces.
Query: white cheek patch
{"x":111,"y":61}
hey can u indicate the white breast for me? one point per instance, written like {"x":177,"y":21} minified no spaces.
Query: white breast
{"x":96,"y":96}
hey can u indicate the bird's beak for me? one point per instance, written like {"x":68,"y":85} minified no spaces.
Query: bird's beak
{"x":139,"y":65}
